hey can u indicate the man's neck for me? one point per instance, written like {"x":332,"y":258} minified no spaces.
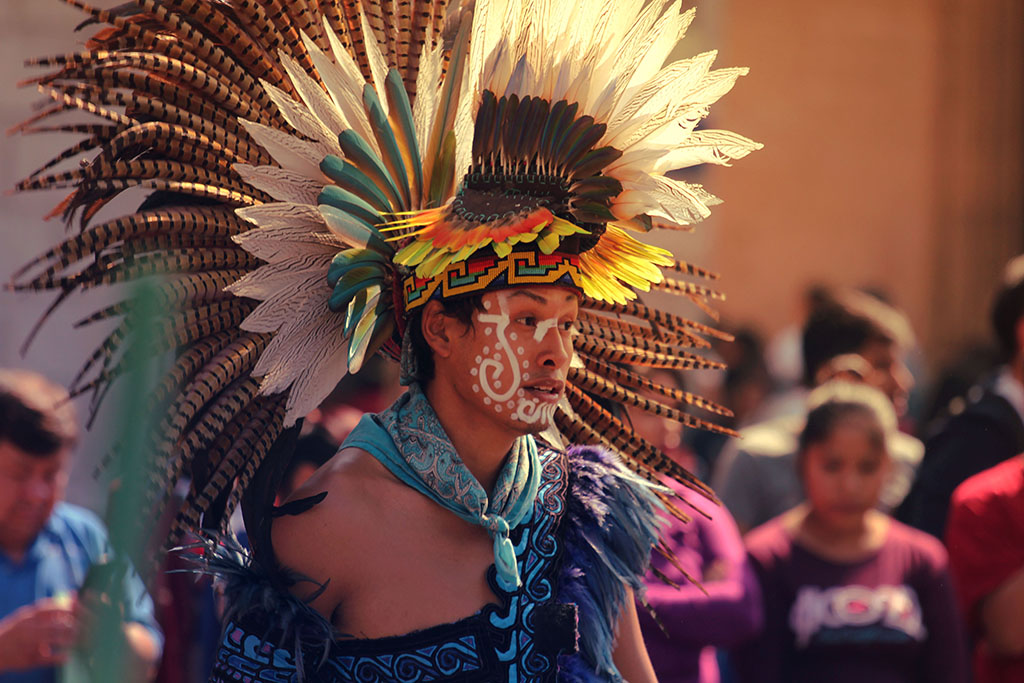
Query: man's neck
{"x":481,"y":444}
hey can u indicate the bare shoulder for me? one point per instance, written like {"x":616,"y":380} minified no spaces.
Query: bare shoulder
{"x":323,"y":542}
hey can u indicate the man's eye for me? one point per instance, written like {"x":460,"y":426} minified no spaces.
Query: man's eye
{"x":527,"y":320}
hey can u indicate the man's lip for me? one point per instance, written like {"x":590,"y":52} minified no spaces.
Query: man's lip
{"x":553,"y":387}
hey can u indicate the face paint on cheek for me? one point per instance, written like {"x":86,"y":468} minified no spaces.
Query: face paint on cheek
{"x":490,"y":369}
{"x":530,"y":410}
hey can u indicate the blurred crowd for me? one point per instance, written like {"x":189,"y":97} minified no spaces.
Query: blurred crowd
{"x":869,"y":530}
{"x":871,"y":525}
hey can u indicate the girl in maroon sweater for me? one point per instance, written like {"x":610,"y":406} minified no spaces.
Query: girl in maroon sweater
{"x":850,"y":594}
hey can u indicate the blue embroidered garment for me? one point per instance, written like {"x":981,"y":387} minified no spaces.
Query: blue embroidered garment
{"x":587,"y":538}
{"x":409,"y":440}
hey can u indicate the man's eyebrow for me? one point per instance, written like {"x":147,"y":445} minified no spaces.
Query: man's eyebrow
{"x":537,"y":297}
{"x":530,"y":295}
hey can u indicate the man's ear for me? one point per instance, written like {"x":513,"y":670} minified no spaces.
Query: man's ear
{"x":438,"y":329}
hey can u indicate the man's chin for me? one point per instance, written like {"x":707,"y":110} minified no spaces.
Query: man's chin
{"x":531,"y":428}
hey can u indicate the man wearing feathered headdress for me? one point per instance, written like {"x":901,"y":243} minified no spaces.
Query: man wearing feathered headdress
{"x":459,"y":188}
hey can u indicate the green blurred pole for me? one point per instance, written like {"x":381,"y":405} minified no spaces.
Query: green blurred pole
{"x":129,"y":523}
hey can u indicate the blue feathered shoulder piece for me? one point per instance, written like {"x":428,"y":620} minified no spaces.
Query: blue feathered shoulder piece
{"x":611,"y":523}
{"x":257,"y":600}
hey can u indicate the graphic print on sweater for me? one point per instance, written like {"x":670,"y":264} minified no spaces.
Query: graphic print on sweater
{"x":856,"y":614}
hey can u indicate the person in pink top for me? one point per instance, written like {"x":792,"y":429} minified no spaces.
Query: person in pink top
{"x":850,"y":594}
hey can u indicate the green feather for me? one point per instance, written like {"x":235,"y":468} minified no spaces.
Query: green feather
{"x":362,"y":303}
{"x":549,"y":242}
{"x":353,"y":258}
{"x":550,"y":126}
{"x":366,"y":160}
{"x":340,"y":198}
{"x":391,"y":156}
{"x":355,"y":181}
{"x":355,"y":280}
{"x":590,"y":212}
{"x":560,"y":127}
{"x":354,"y":231}
{"x":400,"y":116}
{"x":355,"y":310}
{"x":578,"y":145}
{"x":434,"y":263}
{"x":482,"y":127}
{"x":367,"y":344}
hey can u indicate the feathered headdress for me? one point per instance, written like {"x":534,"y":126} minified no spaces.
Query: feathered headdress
{"x":323,"y":167}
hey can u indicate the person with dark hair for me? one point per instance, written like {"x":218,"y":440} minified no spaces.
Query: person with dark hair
{"x":850,"y":595}
{"x":367,"y":169}
{"x":982,"y":429}
{"x":853,"y":335}
{"x":47,"y":546}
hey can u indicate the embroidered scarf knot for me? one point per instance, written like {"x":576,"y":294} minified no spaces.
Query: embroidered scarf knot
{"x":409,"y":440}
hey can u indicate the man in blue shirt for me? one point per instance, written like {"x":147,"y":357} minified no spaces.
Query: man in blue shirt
{"x":47,"y":547}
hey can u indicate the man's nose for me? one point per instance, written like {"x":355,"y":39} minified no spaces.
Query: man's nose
{"x":38,"y":489}
{"x":556,"y":349}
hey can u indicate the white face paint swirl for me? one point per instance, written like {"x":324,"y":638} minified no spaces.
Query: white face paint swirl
{"x":490,"y":369}
{"x":508,"y":361}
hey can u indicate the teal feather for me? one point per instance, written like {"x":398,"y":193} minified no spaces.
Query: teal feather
{"x":356,"y":308}
{"x":391,"y":155}
{"x":340,"y":198}
{"x":349,"y":177}
{"x":400,"y":116}
{"x":353,"y":258}
{"x":367,"y":337}
{"x":355,"y":231}
{"x":366,"y":160}
{"x":355,"y":280}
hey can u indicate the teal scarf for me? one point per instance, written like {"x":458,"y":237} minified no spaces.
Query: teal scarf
{"x":409,"y":440}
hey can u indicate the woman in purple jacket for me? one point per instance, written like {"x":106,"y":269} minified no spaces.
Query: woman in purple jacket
{"x":692,"y":620}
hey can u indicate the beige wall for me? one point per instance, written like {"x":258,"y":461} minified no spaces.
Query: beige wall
{"x":892,"y":156}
